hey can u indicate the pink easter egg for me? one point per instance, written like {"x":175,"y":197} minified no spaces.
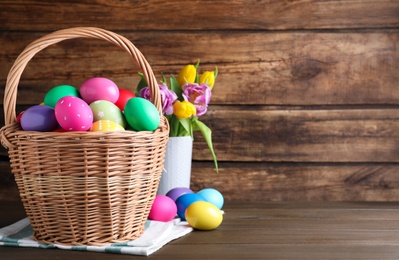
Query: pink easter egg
{"x":163,"y":209}
{"x":73,"y":114}
{"x":99,"y":89}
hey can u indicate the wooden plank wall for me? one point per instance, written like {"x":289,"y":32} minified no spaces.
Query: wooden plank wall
{"x":305,"y":106}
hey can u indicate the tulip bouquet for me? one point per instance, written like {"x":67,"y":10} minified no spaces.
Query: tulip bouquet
{"x":184,"y":100}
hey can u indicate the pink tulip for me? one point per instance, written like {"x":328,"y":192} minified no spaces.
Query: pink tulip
{"x":199,"y":95}
{"x":168,"y":97}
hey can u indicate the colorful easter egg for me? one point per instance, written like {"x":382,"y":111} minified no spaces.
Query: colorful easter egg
{"x":124,"y":96}
{"x":39,"y":118}
{"x":59,"y":130}
{"x":105,"y":110}
{"x":203,"y":215}
{"x":99,"y":89}
{"x":54,"y":94}
{"x":184,"y":201}
{"x":163,"y":209}
{"x":213,"y":196}
{"x":141,"y":114}
{"x":73,"y":114}
{"x":175,"y":193}
{"x":106,"y":125}
{"x":18,"y":119}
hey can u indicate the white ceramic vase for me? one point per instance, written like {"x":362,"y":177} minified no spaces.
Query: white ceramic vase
{"x":177,"y":166}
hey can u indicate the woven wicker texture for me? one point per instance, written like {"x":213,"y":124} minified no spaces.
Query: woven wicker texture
{"x":84,"y":188}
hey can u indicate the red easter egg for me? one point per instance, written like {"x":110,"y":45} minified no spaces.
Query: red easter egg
{"x":59,"y":130}
{"x":19,"y":117}
{"x":124,"y":96}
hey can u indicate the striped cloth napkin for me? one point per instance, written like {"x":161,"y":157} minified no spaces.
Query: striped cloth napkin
{"x":156,"y":235}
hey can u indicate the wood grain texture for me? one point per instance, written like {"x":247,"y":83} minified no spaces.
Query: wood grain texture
{"x":199,"y":15}
{"x":299,"y":135}
{"x":279,"y":181}
{"x":282,"y":68}
{"x":300,"y":181}
{"x":305,"y":106}
{"x":342,"y":135}
{"x":283,"y":230}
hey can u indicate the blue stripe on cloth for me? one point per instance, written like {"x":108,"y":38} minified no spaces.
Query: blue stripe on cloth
{"x":8,"y":240}
{"x":79,"y":248}
{"x":23,"y":233}
{"x":11,"y":244}
{"x":120,"y":244}
{"x":113,"y":249}
{"x":41,"y":245}
{"x":20,"y":234}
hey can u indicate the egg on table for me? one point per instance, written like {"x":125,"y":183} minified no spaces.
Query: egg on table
{"x":203,"y":215}
{"x":213,"y":196}
{"x":184,"y":201}
{"x":175,"y":193}
{"x":163,"y":209}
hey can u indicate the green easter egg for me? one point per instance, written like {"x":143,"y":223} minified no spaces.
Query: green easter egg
{"x":54,"y":94}
{"x":106,"y":110}
{"x":141,"y":114}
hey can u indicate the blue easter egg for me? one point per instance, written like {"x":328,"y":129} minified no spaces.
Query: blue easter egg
{"x":213,"y":196}
{"x":186,"y":200}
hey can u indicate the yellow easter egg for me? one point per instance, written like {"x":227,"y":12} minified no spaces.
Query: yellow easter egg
{"x":106,"y":125}
{"x":203,"y":215}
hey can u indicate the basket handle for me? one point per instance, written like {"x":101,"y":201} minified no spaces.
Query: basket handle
{"x":10,"y":95}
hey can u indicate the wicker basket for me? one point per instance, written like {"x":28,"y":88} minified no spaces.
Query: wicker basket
{"x":84,"y":188}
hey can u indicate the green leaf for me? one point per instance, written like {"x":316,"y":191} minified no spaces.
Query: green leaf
{"x":142,"y":84}
{"x":175,"y":87}
{"x":207,"y":134}
{"x":196,"y":68}
{"x":216,"y":72}
{"x":174,"y":126}
{"x":186,"y":128}
{"x":163,"y":80}
{"x":179,"y":127}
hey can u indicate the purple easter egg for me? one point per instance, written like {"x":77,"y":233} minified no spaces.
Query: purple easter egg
{"x":39,"y":118}
{"x":177,"y":192}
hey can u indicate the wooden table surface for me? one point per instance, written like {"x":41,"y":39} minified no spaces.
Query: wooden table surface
{"x":283,"y":230}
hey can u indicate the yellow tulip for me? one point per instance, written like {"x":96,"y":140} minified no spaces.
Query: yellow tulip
{"x":187,"y":75}
{"x":184,"y":109}
{"x":208,"y":77}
